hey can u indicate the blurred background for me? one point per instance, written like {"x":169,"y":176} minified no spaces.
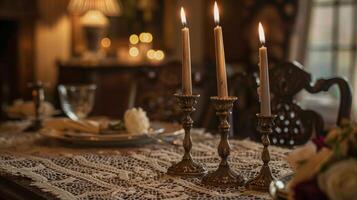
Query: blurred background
{"x":131,"y":49}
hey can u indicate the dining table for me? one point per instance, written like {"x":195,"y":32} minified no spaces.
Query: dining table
{"x":35,"y":167}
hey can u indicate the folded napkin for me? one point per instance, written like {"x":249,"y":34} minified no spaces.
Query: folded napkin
{"x":135,"y":120}
{"x":22,"y":108}
{"x":63,"y":124}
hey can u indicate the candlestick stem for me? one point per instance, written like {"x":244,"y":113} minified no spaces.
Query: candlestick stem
{"x":224,"y":176}
{"x":262,"y":181}
{"x":37,"y":98}
{"x":187,"y":167}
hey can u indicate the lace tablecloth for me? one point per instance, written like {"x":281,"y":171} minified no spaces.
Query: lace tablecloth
{"x":131,"y":173}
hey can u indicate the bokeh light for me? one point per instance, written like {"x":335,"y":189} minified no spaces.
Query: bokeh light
{"x":133,"y":51}
{"x":159,"y":55}
{"x":106,"y":42}
{"x":134,"y":39}
{"x":151,"y":54}
{"x":145,"y":37}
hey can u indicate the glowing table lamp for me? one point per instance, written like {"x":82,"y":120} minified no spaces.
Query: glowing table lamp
{"x":94,"y":21}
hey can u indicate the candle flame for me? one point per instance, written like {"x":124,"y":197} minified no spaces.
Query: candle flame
{"x":183,"y":17}
{"x":216,"y":13}
{"x":261,"y":33}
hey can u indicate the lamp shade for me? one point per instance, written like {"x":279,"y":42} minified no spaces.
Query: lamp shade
{"x":107,"y":7}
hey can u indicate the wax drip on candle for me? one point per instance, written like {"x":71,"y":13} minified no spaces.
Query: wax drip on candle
{"x":216,"y":13}
{"x":183,"y":17}
{"x":261,"y":34}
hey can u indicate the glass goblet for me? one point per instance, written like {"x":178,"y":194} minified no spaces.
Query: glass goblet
{"x":77,"y":101}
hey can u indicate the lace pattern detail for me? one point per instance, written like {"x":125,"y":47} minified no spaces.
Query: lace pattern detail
{"x":138,"y":173}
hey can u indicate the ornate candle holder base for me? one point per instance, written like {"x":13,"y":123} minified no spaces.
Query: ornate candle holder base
{"x":187,"y":167}
{"x":224,"y":176}
{"x":262,"y":181}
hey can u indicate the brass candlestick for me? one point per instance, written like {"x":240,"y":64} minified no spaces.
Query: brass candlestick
{"x":224,"y":175}
{"x":38,"y":97}
{"x":187,"y":167}
{"x":262,"y":181}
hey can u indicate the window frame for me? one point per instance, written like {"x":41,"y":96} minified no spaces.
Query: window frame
{"x":335,"y":47}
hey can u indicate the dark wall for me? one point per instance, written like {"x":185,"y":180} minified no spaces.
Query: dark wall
{"x":8,"y":60}
{"x":17,"y":19}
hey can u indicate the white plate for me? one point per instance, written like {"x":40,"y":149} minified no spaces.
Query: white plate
{"x":159,"y":130}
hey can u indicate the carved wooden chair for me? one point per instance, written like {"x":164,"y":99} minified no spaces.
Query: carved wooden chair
{"x":280,"y":16}
{"x":294,"y":125}
{"x":155,"y":92}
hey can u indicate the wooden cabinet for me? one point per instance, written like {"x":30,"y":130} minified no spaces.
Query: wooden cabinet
{"x":117,"y":83}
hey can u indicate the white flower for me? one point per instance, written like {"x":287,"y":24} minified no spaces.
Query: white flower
{"x":136,"y":121}
{"x":301,"y":155}
{"x":339,"y":182}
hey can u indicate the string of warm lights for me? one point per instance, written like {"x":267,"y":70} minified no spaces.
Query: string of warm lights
{"x":144,"y":38}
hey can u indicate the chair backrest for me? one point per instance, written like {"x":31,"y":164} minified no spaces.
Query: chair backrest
{"x":280,"y":17}
{"x":295,"y":125}
{"x":156,"y":89}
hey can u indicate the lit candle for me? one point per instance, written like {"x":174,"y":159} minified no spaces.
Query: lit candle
{"x":186,"y":56}
{"x":220,"y":59}
{"x":264,"y":76}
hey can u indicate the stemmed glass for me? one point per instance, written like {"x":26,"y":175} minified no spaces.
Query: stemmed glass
{"x":77,"y":100}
